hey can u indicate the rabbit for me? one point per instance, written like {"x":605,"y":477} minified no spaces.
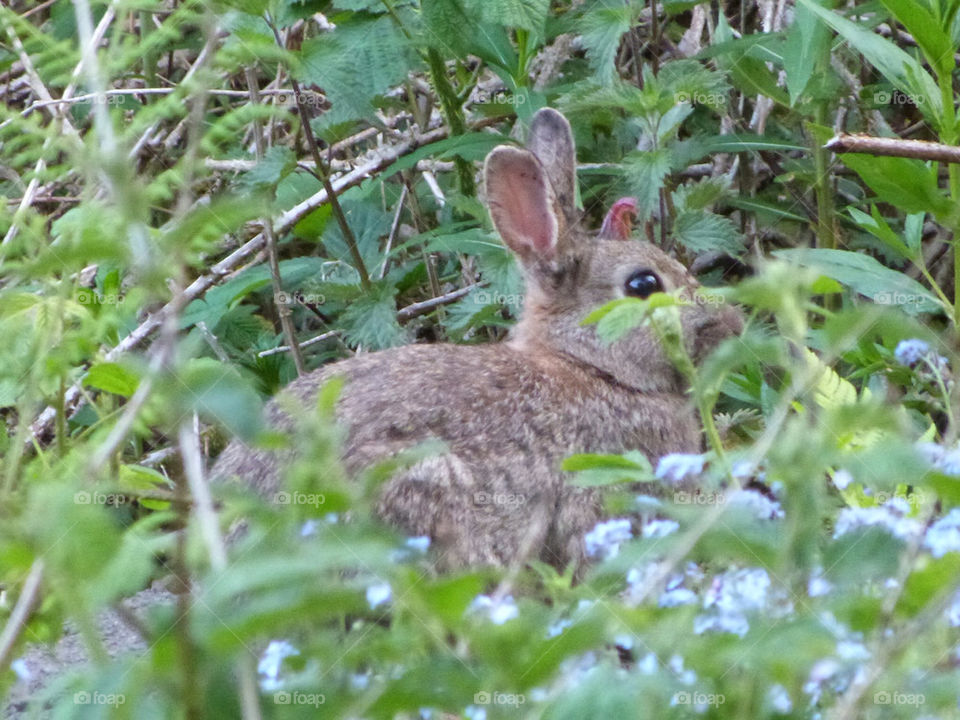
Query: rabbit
{"x":509,"y":413}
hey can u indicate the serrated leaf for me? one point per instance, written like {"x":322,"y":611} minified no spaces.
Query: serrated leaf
{"x":644,"y":173}
{"x":371,"y":320}
{"x":359,"y":60}
{"x":700,"y":231}
{"x":277,"y":162}
{"x":601,"y":28}
{"x":525,"y":14}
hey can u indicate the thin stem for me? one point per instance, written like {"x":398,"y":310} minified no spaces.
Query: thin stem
{"x":321,"y":170}
{"x":283,"y":309}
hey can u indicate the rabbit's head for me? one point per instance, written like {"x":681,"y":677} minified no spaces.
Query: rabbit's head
{"x":569,"y":273}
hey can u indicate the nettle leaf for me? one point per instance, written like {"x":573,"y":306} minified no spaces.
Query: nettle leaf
{"x":371,"y":320}
{"x":358,"y":61}
{"x":368,"y":223}
{"x":444,"y":21}
{"x":693,"y":82}
{"x":525,"y":14}
{"x":596,"y":470}
{"x":277,"y":162}
{"x":700,"y":231}
{"x":699,"y":195}
{"x":867,"y":276}
{"x":907,"y":184}
{"x":601,"y":28}
{"x":645,"y":173}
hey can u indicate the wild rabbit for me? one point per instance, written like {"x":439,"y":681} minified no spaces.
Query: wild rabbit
{"x":509,"y":413}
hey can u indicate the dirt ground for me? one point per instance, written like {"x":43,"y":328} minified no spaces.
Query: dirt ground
{"x":46,"y":663}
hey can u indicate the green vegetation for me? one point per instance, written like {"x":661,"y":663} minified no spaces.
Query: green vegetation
{"x":188,"y":186}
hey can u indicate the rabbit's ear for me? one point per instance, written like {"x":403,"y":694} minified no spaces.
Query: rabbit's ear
{"x":522,"y":203}
{"x":551,"y":140}
{"x":618,"y":224}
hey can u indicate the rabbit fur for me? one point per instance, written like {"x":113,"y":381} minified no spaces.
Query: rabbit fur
{"x":509,"y":413}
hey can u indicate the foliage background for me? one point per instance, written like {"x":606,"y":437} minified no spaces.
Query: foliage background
{"x":190,"y":186}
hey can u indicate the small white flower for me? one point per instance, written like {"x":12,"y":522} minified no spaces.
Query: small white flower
{"x":499,"y":611}
{"x":20,"y":669}
{"x":762,"y":507}
{"x":891,"y":516}
{"x":420,"y":544}
{"x":779,"y":699}
{"x":675,"y":467}
{"x":270,"y":662}
{"x":842,"y":479}
{"x":378,"y":593}
{"x":944,"y":535}
{"x":659,"y":528}
{"x":605,"y":538}
{"x":910,"y":352}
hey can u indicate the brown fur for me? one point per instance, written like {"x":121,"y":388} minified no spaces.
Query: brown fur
{"x":510,"y":413}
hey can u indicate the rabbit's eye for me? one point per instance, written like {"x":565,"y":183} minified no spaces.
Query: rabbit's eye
{"x":643,"y":284}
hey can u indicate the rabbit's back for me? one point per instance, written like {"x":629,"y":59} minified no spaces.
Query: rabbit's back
{"x":506,"y":419}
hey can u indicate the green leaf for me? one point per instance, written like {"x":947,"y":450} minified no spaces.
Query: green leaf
{"x":525,"y":14}
{"x":113,"y":378}
{"x":601,"y":28}
{"x":701,"y":231}
{"x":907,"y":184}
{"x":277,"y":163}
{"x":596,"y":470}
{"x":371,"y":320}
{"x":443,"y":22}
{"x":901,"y":69}
{"x":748,"y":72}
{"x":927,"y":31}
{"x":645,"y":173}
{"x":866,"y":276}
{"x":807,"y":40}
{"x":877,"y":226}
{"x":361,"y":59}
{"x":217,"y":393}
